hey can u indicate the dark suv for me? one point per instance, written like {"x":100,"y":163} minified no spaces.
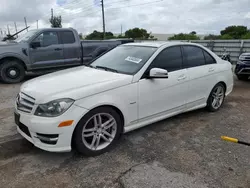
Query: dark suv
{"x":242,"y":69}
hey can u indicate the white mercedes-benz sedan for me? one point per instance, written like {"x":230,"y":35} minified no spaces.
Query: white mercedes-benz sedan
{"x":131,"y":86}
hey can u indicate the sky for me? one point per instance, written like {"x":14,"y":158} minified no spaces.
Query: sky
{"x":157,"y":16}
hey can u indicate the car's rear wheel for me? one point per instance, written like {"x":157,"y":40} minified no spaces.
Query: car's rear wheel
{"x":97,"y":131}
{"x":242,"y":77}
{"x":12,"y":71}
{"x":216,"y":97}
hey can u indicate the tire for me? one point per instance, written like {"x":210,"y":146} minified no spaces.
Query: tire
{"x":212,"y":105}
{"x":12,"y":71}
{"x":84,"y":144}
{"x":242,"y":77}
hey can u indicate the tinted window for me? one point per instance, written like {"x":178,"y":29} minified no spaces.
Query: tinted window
{"x":88,"y":50}
{"x":101,"y":51}
{"x":193,"y":56}
{"x":209,"y":59}
{"x":47,"y":38}
{"x":169,"y":59}
{"x":67,"y":37}
{"x":125,"y":59}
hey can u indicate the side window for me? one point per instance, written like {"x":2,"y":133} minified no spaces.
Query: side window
{"x":169,"y":59}
{"x":88,"y":50}
{"x":193,"y":56}
{"x":67,"y":37}
{"x":209,"y":59}
{"x":47,"y":38}
{"x":101,"y":51}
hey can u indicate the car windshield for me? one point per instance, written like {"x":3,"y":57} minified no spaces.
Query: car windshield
{"x":125,"y":59}
{"x":26,"y":36}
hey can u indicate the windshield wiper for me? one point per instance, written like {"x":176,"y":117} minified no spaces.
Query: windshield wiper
{"x":106,"y":68}
{"x":91,"y":66}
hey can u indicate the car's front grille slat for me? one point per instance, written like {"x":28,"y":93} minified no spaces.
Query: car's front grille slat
{"x":25,"y":103}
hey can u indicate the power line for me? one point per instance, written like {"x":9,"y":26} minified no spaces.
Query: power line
{"x":141,"y":4}
{"x":98,"y":11}
{"x":88,"y":8}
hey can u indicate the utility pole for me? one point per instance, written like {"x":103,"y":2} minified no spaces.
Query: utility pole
{"x":121,"y":29}
{"x":37,"y":24}
{"x":15,"y":28}
{"x":103,"y":19}
{"x":25,"y":21}
{"x":8,"y":29}
{"x":52,"y":13}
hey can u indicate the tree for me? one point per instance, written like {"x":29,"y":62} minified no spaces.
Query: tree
{"x":193,"y":33}
{"x":183,"y":36}
{"x":212,"y":37}
{"x":80,"y":36}
{"x":226,"y":37}
{"x":137,"y":33}
{"x":246,"y":36}
{"x":236,"y":32}
{"x":56,"y":21}
{"x":96,"y":35}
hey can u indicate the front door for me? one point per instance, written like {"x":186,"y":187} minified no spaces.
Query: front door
{"x":49,"y":53}
{"x":164,"y":95}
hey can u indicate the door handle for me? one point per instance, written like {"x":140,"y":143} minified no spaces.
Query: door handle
{"x":182,"y":77}
{"x":211,"y":69}
{"x":58,"y":49}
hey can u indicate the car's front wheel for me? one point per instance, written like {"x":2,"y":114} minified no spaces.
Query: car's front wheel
{"x":97,"y":131}
{"x":12,"y":71}
{"x":216,"y":97}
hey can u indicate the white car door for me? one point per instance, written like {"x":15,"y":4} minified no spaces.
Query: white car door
{"x":159,"y":96}
{"x":201,"y":68}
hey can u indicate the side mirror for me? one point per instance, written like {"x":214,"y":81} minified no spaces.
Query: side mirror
{"x":158,"y":73}
{"x":35,"y":45}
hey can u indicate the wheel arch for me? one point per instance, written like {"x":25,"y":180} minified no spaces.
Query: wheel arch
{"x":104,"y":105}
{"x":224,"y":85}
{"x":3,"y":59}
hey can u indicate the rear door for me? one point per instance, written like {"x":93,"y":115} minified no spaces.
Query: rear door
{"x":50,"y":52}
{"x":71,"y":48}
{"x":201,"y":68}
{"x":88,"y":49}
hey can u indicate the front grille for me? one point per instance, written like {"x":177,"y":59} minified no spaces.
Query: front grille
{"x":25,"y":103}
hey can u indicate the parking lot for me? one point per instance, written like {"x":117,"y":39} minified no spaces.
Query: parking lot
{"x":183,"y":151}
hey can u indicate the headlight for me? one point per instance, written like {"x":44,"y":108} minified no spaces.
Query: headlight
{"x":54,"y":108}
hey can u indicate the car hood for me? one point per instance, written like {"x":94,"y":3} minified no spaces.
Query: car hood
{"x":75,"y":83}
{"x":4,"y":44}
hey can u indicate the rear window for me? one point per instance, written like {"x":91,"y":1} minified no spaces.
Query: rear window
{"x":209,"y":59}
{"x":88,"y":50}
{"x":67,"y":37}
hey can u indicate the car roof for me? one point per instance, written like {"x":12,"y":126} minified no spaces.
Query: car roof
{"x":158,"y":44}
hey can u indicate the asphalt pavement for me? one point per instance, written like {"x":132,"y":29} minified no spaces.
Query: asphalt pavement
{"x":183,"y":151}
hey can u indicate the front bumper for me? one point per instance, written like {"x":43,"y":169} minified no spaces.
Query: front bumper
{"x":242,"y":68}
{"x":44,"y":132}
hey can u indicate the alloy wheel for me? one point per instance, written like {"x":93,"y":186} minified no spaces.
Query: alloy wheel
{"x":99,"y":131}
{"x":218,"y":97}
